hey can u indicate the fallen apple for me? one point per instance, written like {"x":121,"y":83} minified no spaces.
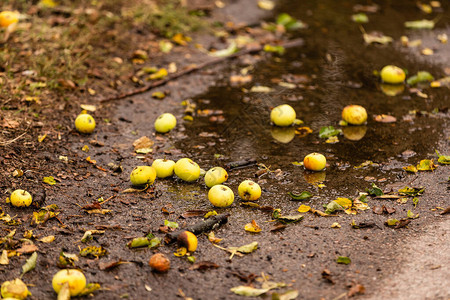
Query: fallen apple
{"x":354,"y":133}
{"x":75,"y":278}
{"x":283,"y":134}
{"x":216,"y":175}
{"x":15,"y":289}
{"x":163,"y":167}
{"x":283,"y":115}
{"x":165,"y":123}
{"x":221,"y":196}
{"x":188,"y":240}
{"x":159,"y":263}
{"x":187,"y":170}
{"x":85,"y":123}
{"x":20,"y":198}
{"x":142,"y":175}
{"x":8,"y":17}
{"x":315,"y":162}
{"x":392,"y":74}
{"x":249,"y":190}
{"x":354,"y":114}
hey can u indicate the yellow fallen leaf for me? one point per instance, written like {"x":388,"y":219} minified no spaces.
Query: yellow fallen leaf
{"x":252,"y":227}
{"x":47,"y":239}
{"x":344,"y":202}
{"x":304,"y":208}
{"x":335,"y":225}
{"x":88,"y":107}
{"x":41,"y":138}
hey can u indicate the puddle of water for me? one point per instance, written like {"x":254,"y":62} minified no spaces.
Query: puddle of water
{"x":340,"y":68}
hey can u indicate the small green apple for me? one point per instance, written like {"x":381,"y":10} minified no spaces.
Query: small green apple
{"x":283,"y":134}
{"x":142,"y":175}
{"x":163,"y":167}
{"x":354,"y":114}
{"x":20,"y":198}
{"x":165,"y":123}
{"x":85,"y":123}
{"x":15,"y":289}
{"x":221,"y":196}
{"x":315,"y":162}
{"x":249,"y":190}
{"x":216,"y":175}
{"x":187,"y":170}
{"x":392,"y":74}
{"x":75,"y":278}
{"x":283,"y":115}
{"x":354,"y":133}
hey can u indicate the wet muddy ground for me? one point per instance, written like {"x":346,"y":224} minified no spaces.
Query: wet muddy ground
{"x":331,"y":70}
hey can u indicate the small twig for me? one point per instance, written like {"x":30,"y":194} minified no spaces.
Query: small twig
{"x":288,"y":44}
{"x":198,"y":228}
{"x":15,"y":139}
{"x":110,"y":198}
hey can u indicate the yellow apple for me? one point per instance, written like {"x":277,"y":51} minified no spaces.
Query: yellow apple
{"x":75,"y":278}
{"x":354,"y":133}
{"x":85,"y":123}
{"x":392,"y":74}
{"x":20,"y":198}
{"x":221,"y":196}
{"x":283,"y":115}
{"x":187,"y":170}
{"x":283,"y":134}
{"x":163,"y":167}
{"x":315,"y":162}
{"x":15,"y":289}
{"x":249,"y":190}
{"x":165,"y":123}
{"x":354,"y":114}
{"x":188,"y":240}
{"x":8,"y":17}
{"x":216,"y":175}
{"x":142,"y":175}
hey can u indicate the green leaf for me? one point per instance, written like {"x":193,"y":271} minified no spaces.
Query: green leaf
{"x":426,"y":165}
{"x":328,"y":131}
{"x":420,"y":24}
{"x":249,"y":248}
{"x":414,"y":191}
{"x":248,"y":291}
{"x":290,"y":219}
{"x":415,"y":201}
{"x":154,"y":242}
{"x":289,"y":22}
{"x":274,"y":49}
{"x":233,"y":48}
{"x":343,"y":260}
{"x":49,"y":180}
{"x":30,"y":264}
{"x":89,"y":289}
{"x":411,"y":215}
{"x":374,"y":191}
{"x":139,"y":242}
{"x":332,"y":207}
{"x":276,"y":213}
{"x":392,"y":222}
{"x":411,"y":169}
{"x":421,"y":76}
{"x":173,"y":225}
{"x":360,"y":18}
{"x":443,"y":159}
{"x":302,"y":196}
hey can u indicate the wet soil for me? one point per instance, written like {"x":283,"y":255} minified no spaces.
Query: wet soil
{"x":335,"y":69}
